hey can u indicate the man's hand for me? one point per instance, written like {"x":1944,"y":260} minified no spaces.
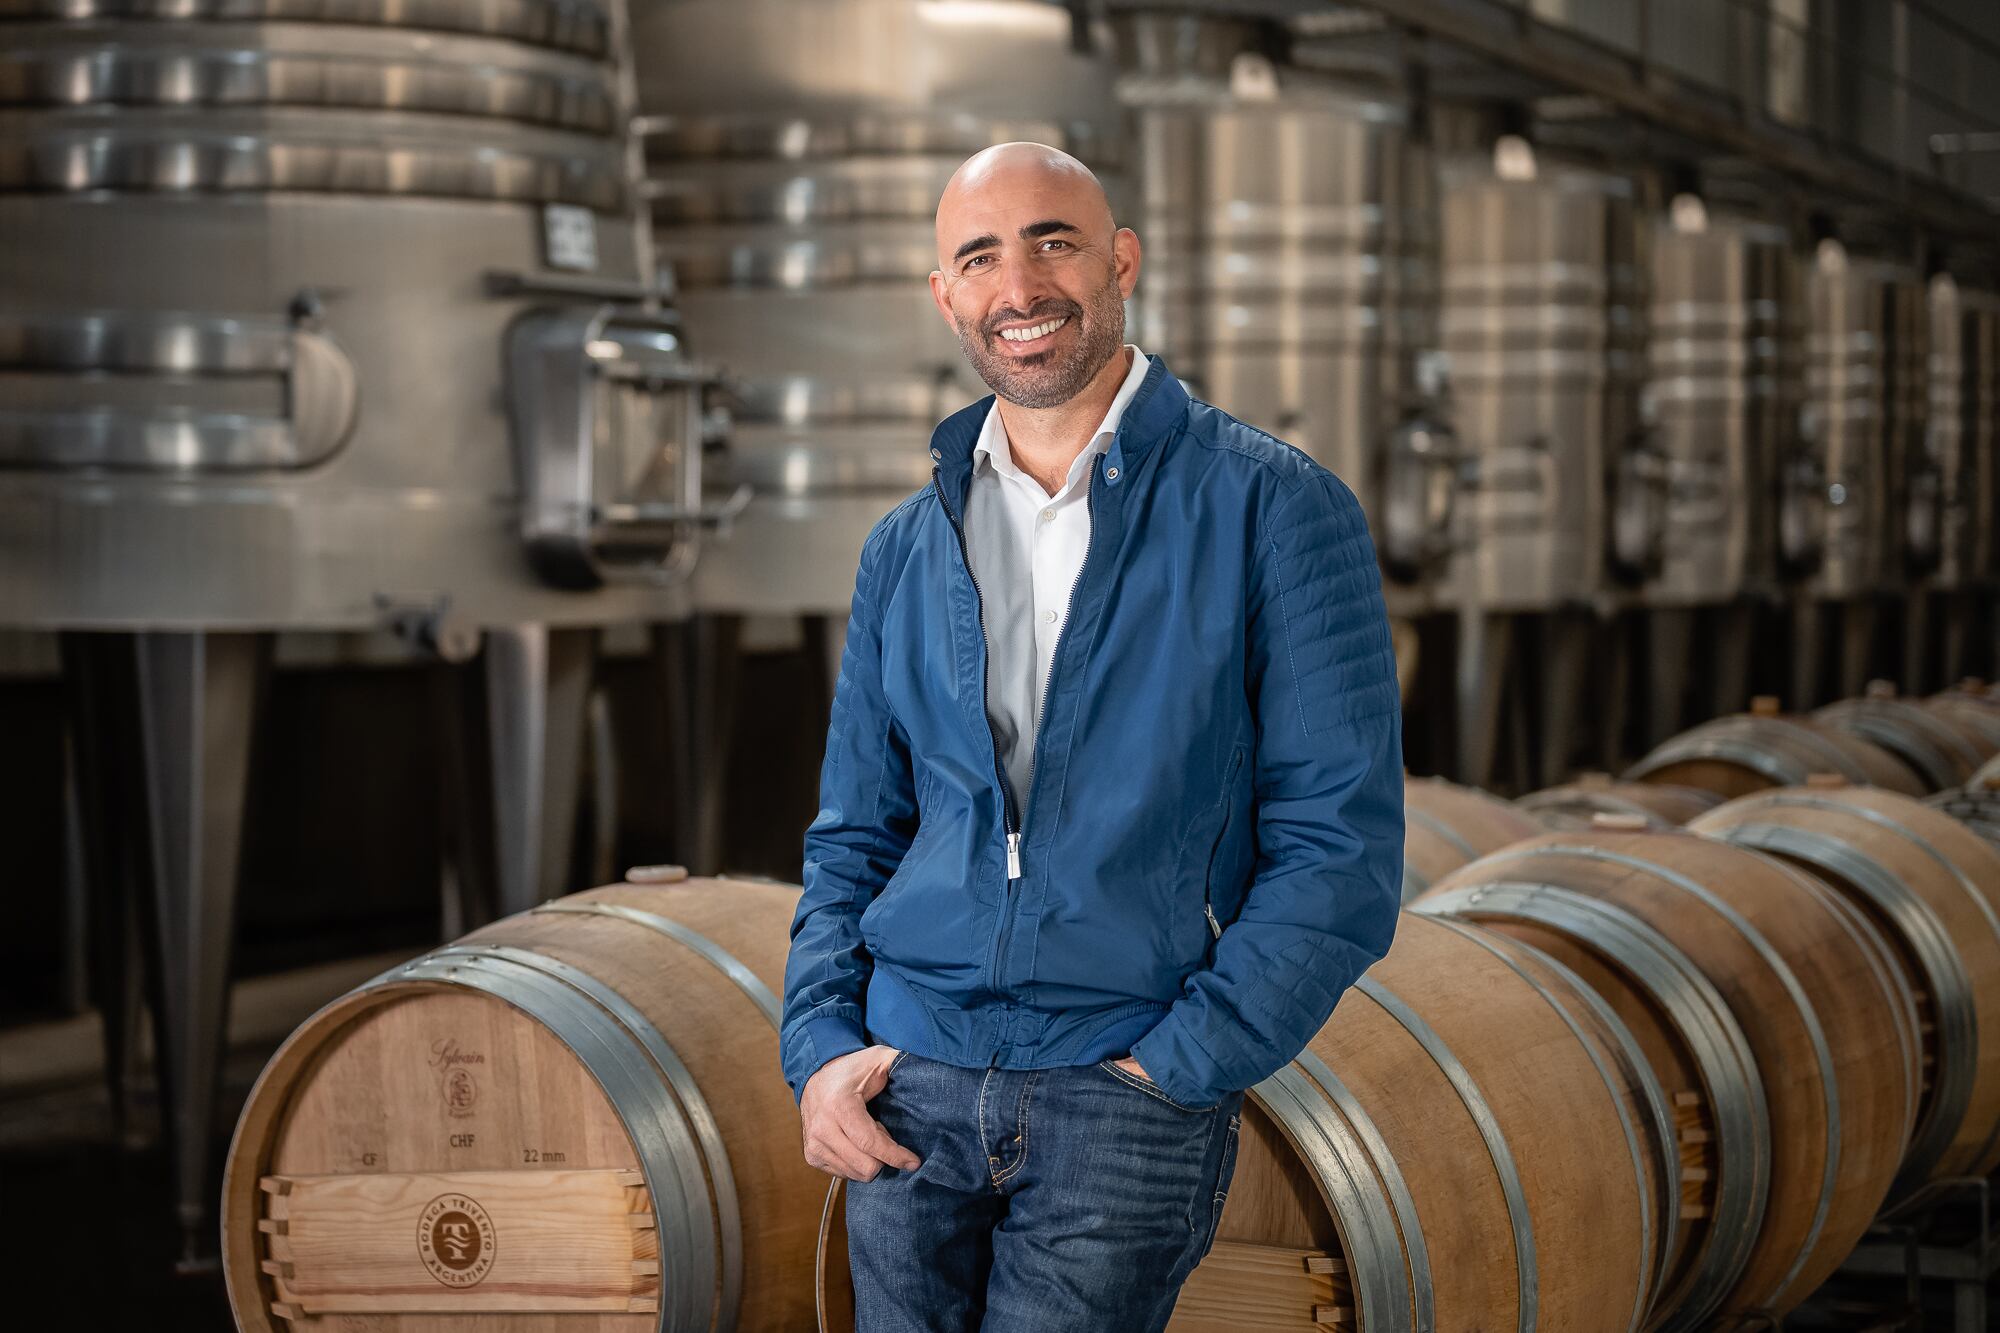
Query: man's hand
{"x":841,"y":1138}
{"x":1132,"y":1066}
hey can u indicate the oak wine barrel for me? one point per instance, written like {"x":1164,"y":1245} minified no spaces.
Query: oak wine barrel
{"x":1736,"y":755}
{"x":1803,"y":975}
{"x":1446,"y":825}
{"x":1933,"y":889}
{"x":1977,"y":804}
{"x":1575,"y":804}
{"x":1472,"y":1141}
{"x":1975,"y":712}
{"x":574,"y":1111}
{"x":1937,"y":746}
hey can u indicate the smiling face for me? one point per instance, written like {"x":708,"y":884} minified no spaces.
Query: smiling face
{"x":1032,"y":273}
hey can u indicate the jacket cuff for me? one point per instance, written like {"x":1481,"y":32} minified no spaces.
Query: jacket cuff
{"x":1181,"y":1066}
{"x":816,"y":1041}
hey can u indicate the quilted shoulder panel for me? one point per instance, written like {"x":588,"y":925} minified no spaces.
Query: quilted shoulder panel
{"x":1329,"y":594}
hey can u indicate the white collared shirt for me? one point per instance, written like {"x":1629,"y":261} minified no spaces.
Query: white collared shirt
{"x":1026,"y":548}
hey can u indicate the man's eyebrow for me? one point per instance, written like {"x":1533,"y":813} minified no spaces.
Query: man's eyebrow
{"x":986,"y":242}
{"x":1048,"y":227}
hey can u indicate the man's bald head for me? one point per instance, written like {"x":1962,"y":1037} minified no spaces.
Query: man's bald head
{"x":1010,"y":173}
{"x":1026,"y":243}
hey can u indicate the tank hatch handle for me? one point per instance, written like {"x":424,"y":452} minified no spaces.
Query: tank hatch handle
{"x":609,"y":420}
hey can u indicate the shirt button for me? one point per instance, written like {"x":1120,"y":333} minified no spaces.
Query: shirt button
{"x":1048,"y":515}
{"x":1049,"y":617}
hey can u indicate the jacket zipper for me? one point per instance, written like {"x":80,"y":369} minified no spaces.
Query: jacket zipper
{"x":1208,"y":876}
{"x":1012,"y":818}
{"x":1009,"y":818}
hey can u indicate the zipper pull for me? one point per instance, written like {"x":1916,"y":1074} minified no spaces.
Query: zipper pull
{"x":1209,"y":912}
{"x":1013,"y":856}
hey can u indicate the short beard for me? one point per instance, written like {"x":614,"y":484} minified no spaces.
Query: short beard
{"x":1049,"y":379}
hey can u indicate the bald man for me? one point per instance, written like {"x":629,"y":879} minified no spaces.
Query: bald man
{"x":1111,"y":812}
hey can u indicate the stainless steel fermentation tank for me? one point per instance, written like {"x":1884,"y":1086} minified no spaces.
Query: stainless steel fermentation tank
{"x":797,"y":150}
{"x":1290,"y":225}
{"x":1962,"y":441}
{"x":327,"y":317}
{"x":1724,"y":367}
{"x":1863,"y":429}
{"x":1543,"y":315}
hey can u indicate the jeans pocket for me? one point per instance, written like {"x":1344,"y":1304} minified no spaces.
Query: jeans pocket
{"x":900,"y":1057}
{"x":1147,"y":1086}
{"x":1225,"y":1171}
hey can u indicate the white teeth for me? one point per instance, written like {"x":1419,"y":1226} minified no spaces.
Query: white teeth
{"x":1033,"y":332}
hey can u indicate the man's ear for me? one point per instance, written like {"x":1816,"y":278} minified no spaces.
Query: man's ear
{"x":942,"y":300}
{"x":1125,"y":250}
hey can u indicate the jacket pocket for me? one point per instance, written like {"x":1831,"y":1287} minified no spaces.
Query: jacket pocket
{"x":1228,"y":806}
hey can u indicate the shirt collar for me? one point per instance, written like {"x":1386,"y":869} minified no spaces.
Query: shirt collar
{"x":992,"y":443}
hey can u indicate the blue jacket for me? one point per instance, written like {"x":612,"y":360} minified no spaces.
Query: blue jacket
{"x":1211,"y":848}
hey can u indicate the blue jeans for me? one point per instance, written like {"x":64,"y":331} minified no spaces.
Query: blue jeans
{"x":1072,"y":1200}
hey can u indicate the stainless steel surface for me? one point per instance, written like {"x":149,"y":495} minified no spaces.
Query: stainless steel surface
{"x":608,"y":432}
{"x":1864,"y":416}
{"x":1724,"y":366}
{"x":537,"y":692}
{"x":796,"y":150}
{"x":1291,"y":231}
{"x":250,"y":374}
{"x":1543,"y":321}
{"x":164,"y":726}
{"x":1962,"y":436}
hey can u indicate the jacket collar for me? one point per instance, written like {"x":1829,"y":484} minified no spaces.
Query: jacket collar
{"x":1152,"y":415}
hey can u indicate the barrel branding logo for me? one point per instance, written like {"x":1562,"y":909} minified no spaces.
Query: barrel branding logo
{"x":460,"y":1088}
{"x":455,"y":1240}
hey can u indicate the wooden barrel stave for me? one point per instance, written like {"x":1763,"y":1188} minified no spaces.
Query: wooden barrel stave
{"x":1934,"y":888}
{"x":1446,"y":1161}
{"x":1688,"y":1036}
{"x":1974,"y":715}
{"x":1446,"y":825}
{"x":1734,"y":756}
{"x":584,"y":1066}
{"x":1573,"y":805}
{"x":1791,"y":970}
{"x":1931,"y":744}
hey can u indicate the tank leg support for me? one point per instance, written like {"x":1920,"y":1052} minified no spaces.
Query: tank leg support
{"x":1808,"y":615}
{"x":537,"y":696}
{"x":1733,"y":627}
{"x":1916,"y":642}
{"x":1857,"y":642}
{"x":1565,"y":658}
{"x":1669,"y":646}
{"x":1483,"y":642}
{"x":165,"y":724}
{"x":697,"y":662}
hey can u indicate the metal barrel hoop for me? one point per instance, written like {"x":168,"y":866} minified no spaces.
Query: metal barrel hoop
{"x":656,"y":1125}
{"x":1728,"y":1066}
{"x":1815,"y":1030}
{"x":725,"y":962}
{"x":1521,"y":1223}
{"x":1383,"y":1285}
